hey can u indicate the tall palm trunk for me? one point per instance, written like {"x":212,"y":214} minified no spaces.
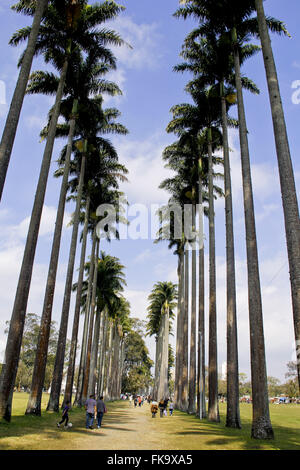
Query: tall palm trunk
{"x":122,"y":359}
{"x":286,"y":174}
{"x":72,"y":356}
{"x":116,"y":363}
{"x":201,"y":403}
{"x":154,"y":393}
{"x":100,"y":355}
{"x":78,"y":396}
{"x":178,"y":367}
{"x":38,"y":376}
{"x":91,"y":328}
{"x":14,"y":340}
{"x":53,"y":404}
{"x":103,"y":353}
{"x":233,"y":409}
{"x":185,"y":335}
{"x":163,"y":388}
{"x":94,"y":354}
{"x":213,"y":406}
{"x":158,"y":363}
{"x":192,"y":374}
{"x":12,"y":120}
{"x":261,"y":423}
{"x":109,"y":364}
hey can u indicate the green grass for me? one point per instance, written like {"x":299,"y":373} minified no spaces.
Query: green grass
{"x":122,"y":424}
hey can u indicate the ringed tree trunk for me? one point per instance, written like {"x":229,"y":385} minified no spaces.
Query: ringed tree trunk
{"x":78,"y":396}
{"x":154,"y":393}
{"x":213,"y":406}
{"x":109,"y":364}
{"x":201,"y":404}
{"x":121,"y":367}
{"x":38,"y":376}
{"x":15,"y":334}
{"x":286,"y":173}
{"x":163,"y":388}
{"x":53,"y":404}
{"x":233,"y":407}
{"x":99,"y":359}
{"x":12,"y":120}
{"x":185,"y":335}
{"x":116,"y":363}
{"x":103,"y":353}
{"x":91,"y":328}
{"x":178,"y":384}
{"x":94,"y":355}
{"x":261,"y":423}
{"x":158,"y":362}
{"x":192,"y":375}
{"x":72,"y":357}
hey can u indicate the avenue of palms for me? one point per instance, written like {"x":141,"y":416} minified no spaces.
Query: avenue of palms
{"x":71,"y":36}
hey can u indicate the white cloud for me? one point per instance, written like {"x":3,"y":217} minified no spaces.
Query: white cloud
{"x":144,"y":162}
{"x":11,"y":255}
{"x":34,"y":121}
{"x":15,"y":233}
{"x":143,"y":256}
{"x":144,"y":39}
{"x":277,"y":313}
{"x":145,"y":51}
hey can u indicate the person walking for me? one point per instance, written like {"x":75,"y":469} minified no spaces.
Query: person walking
{"x":154,"y":408}
{"x":65,"y":415}
{"x":166,"y":400}
{"x":161,"y":406}
{"x":130,"y":400}
{"x":91,"y":410}
{"x":140,"y":401}
{"x":101,"y":409}
{"x":171,"y":408}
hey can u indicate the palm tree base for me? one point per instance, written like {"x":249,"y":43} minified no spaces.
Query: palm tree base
{"x":262,"y":429}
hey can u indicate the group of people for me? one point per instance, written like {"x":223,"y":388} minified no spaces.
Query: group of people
{"x":162,"y":406}
{"x":138,"y":400}
{"x":95,"y":409}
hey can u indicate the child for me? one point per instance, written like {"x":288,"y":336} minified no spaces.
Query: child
{"x":171,"y":407}
{"x":65,"y":415}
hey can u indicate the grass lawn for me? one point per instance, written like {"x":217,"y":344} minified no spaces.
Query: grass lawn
{"x":128,"y":428}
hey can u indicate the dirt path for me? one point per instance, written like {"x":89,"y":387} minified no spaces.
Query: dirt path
{"x":125,"y":428}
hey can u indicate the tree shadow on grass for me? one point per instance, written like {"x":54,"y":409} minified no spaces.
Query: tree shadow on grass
{"x":45,"y":426}
{"x":286,"y":438}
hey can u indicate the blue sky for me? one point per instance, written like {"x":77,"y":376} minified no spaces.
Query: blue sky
{"x":150,"y":88}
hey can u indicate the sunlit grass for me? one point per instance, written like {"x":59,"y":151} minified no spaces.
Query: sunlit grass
{"x":123,"y":427}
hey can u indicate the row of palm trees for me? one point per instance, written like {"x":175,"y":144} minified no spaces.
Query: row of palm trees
{"x":71,"y":37}
{"x":213,"y":53}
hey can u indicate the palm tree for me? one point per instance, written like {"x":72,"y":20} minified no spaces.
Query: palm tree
{"x":287,"y":180}
{"x":63,"y":29}
{"x":160,"y":311}
{"x":12,"y":120}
